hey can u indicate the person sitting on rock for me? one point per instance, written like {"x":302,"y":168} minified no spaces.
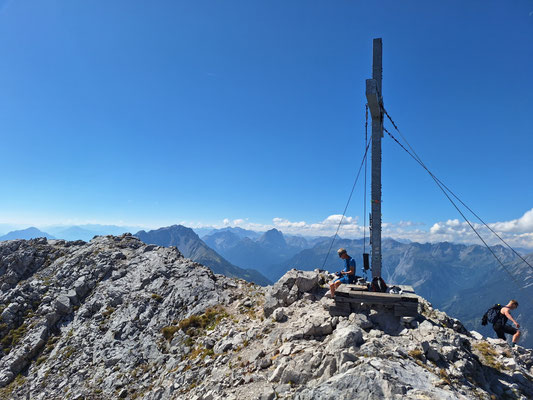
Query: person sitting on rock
{"x":346,"y":276}
{"x":500,"y":324}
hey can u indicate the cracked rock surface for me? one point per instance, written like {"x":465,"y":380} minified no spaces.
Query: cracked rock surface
{"x":116,"y":318}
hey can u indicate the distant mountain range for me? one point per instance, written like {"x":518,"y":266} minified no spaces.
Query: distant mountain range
{"x":261,"y":252}
{"x":191,"y":246}
{"x":68,"y":232}
{"x":87,"y":231}
{"x":28,"y":233}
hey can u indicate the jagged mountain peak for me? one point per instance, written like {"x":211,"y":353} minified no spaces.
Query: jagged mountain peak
{"x":175,"y":228}
{"x":28,"y":233}
{"x":273,"y":237}
{"x":193,"y":247}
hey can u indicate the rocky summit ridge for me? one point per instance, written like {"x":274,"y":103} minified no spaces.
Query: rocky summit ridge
{"x":116,"y":318}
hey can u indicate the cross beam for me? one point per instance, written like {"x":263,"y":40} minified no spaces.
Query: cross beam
{"x":375,"y":101}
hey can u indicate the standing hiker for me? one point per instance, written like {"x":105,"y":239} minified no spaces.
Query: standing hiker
{"x":347,"y":275}
{"x":500,"y":324}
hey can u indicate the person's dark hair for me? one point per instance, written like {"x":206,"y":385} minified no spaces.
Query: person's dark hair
{"x":514,"y":302}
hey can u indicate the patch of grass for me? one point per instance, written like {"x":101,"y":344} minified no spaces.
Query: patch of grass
{"x":251,"y":313}
{"x":5,"y":392}
{"x":69,"y":350}
{"x":41,"y":359}
{"x":157,"y":297}
{"x":242,"y":346}
{"x":417,"y":354}
{"x":201,"y":352}
{"x":195,"y":325}
{"x":108,"y":311}
{"x":196,"y":352}
{"x":445,"y":377}
{"x":51,"y":344}
{"x":489,"y":355}
{"x":191,"y":386}
{"x":169,"y":331}
{"x":13,"y":337}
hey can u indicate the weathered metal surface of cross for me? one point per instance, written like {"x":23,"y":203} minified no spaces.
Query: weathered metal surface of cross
{"x":375,"y":101}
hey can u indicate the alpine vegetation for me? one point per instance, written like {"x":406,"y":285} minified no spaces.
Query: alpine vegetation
{"x":117,"y":318}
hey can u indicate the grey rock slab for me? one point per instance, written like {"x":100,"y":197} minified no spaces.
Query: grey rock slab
{"x":432,"y":354}
{"x":276,"y":374}
{"x":476,"y":335}
{"x":268,"y":394}
{"x":223,"y":346}
{"x":345,"y":338}
{"x":279,"y":315}
{"x":264,"y":363}
{"x":360,"y":320}
{"x":380,"y":380}
{"x":62,"y":304}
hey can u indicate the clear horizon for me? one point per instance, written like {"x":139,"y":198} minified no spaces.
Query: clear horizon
{"x":514,"y":232}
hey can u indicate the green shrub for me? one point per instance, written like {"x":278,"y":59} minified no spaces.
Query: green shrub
{"x":208,"y":320}
{"x":169,"y":331}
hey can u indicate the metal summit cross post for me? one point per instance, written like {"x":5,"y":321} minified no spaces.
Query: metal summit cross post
{"x":375,"y":101}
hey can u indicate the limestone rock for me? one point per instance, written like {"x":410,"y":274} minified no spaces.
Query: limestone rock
{"x":345,"y":338}
{"x":115,"y":318}
{"x":279,"y":314}
{"x":290,"y":288}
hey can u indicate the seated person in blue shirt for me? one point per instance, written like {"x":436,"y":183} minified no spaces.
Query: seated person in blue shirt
{"x":348,"y":275}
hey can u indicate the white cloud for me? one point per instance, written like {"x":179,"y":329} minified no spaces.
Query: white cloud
{"x":524,"y":224}
{"x":326,"y":227}
{"x":283,"y":223}
{"x":517,"y":232}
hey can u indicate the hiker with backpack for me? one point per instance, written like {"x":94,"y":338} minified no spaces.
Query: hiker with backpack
{"x":498,"y":316}
{"x":345,"y":276}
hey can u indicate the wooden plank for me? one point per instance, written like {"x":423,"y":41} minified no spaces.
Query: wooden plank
{"x":407,"y":306}
{"x":345,"y":290}
{"x":384,"y":301}
{"x":357,"y":288}
{"x":403,"y":311}
{"x":380,"y":296}
{"x":370,"y":299}
{"x":341,"y":300}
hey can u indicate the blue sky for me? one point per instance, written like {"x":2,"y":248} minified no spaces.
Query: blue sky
{"x":128,"y":112}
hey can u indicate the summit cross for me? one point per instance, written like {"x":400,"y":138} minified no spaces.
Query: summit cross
{"x":375,"y":104}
